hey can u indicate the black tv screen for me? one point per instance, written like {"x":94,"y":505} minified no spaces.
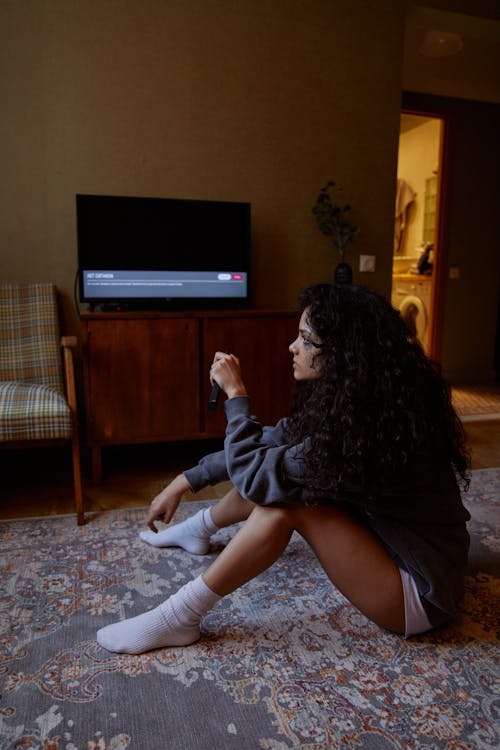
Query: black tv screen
{"x":162,"y":252}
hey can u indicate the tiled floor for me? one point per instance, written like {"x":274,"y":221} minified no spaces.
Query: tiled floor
{"x":477,"y":402}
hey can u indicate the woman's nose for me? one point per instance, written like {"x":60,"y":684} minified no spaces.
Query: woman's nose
{"x":293,"y":347}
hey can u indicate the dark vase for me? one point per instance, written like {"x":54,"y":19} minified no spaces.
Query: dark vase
{"x":343,"y":274}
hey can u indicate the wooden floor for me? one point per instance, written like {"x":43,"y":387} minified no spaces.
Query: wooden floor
{"x":39,"y":482}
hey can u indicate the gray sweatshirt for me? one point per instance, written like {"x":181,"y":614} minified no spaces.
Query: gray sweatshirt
{"x":420,"y":519}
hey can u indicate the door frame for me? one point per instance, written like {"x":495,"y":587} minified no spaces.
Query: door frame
{"x":425,"y":105}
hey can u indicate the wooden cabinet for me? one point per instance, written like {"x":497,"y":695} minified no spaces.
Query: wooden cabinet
{"x":261,"y":344}
{"x":147,"y":374}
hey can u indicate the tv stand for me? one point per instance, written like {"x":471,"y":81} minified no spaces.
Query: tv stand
{"x":146,"y":373}
{"x":164,"y":304}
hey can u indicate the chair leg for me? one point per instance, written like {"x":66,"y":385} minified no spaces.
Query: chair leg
{"x":77,"y":479}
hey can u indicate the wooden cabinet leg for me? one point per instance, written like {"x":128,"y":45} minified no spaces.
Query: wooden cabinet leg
{"x":96,"y":464}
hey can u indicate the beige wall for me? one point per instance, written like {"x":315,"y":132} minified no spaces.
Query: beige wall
{"x":218,"y":99}
{"x":471,"y":74}
{"x":227,"y":99}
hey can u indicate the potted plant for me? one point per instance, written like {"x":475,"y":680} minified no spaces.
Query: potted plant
{"x":332,"y":220}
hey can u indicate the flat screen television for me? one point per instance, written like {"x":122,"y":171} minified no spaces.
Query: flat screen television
{"x":155,"y":253}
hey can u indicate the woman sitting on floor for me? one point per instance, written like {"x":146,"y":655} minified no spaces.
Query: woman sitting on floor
{"x":365,"y":468}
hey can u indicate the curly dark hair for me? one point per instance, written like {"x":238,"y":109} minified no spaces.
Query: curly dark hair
{"x":379,"y":403}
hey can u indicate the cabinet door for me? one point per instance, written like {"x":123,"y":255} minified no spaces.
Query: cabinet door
{"x":261,"y":344}
{"x":142,"y":380}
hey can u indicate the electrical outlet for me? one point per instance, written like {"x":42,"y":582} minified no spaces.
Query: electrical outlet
{"x":367,"y":263}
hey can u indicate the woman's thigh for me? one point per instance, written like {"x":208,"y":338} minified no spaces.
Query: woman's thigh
{"x":356,"y":562}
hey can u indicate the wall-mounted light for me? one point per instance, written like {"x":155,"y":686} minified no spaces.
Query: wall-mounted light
{"x":440,"y":44}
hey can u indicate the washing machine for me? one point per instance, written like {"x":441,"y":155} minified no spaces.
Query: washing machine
{"x":412,"y":297}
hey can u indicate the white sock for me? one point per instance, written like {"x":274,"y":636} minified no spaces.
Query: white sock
{"x":176,"y":622}
{"x":193,"y":534}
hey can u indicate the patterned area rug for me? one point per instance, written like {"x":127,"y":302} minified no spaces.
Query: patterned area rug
{"x":284,"y":662}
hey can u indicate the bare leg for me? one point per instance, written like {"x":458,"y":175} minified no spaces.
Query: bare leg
{"x":356,"y":562}
{"x":256,"y":546}
{"x":353,"y":558}
{"x":232,"y":508}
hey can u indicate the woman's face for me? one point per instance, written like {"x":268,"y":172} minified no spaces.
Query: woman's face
{"x":306,"y":351}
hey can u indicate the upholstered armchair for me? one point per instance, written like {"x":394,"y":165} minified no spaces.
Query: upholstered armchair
{"x":38,"y":403}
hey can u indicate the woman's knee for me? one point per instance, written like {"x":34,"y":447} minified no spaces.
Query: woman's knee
{"x":294,"y":518}
{"x":274,"y":514}
{"x":299,"y":517}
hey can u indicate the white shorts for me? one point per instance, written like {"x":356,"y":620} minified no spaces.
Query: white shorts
{"x":416,"y":620}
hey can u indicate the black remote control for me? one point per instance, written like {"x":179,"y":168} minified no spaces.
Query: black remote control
{"x":214,"y":395}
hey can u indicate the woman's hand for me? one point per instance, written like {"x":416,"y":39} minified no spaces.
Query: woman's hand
{"x":166,"y":503}
{"x":226,"y":372}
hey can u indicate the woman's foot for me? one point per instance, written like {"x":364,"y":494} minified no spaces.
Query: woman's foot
{"x":193,"y":534}
{"x":176,"y":622}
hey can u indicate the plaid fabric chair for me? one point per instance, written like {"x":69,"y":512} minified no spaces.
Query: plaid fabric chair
{"x":37,"y":396}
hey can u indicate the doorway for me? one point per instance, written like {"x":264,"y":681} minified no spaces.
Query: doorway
{"x":417,"y":252}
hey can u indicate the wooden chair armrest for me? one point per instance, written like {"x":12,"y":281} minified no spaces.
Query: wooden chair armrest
{"x":69,"y":341}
